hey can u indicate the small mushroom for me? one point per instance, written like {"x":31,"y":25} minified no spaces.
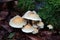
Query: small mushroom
{"x":40,"y":24}
{"x":50,"y":26}
{"x":35,"y":31}
{"x":35,"y":26}
{"x":17,"y":22}
{"x":31,"y":15}
{"x":28,"y":28}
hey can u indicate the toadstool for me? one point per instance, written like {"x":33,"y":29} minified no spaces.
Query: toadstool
{"x":17,"y":22}
{"x":40,"y":24}
{"x":28,"y":28}
{"x":50,"y":26}
{"x":31,"y":15}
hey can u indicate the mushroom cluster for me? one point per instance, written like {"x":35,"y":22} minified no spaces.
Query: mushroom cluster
{"x":30,"y":22}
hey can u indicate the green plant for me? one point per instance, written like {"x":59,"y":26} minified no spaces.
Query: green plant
{"x":49,"y":13}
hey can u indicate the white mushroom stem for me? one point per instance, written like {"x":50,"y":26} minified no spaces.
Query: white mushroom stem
{"x":29,"y":21}
{"x":33,"y":22}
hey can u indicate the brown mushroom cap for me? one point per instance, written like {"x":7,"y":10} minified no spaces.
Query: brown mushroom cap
{"x":17,"y":22}
{"x":28,"y":28}
{"x":31,"y":16}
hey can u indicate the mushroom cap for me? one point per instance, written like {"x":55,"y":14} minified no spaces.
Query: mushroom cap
{"x":40,"y":24}
{"x":28,"y":28}
{"x":17,"y":22}
{"x":31,"y":15}
{"x":35,"y":31}
{"x":50,"y":26}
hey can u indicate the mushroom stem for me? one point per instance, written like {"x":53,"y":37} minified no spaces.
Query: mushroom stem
{"x":29,"y":21}
{"x":33,"y":22}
